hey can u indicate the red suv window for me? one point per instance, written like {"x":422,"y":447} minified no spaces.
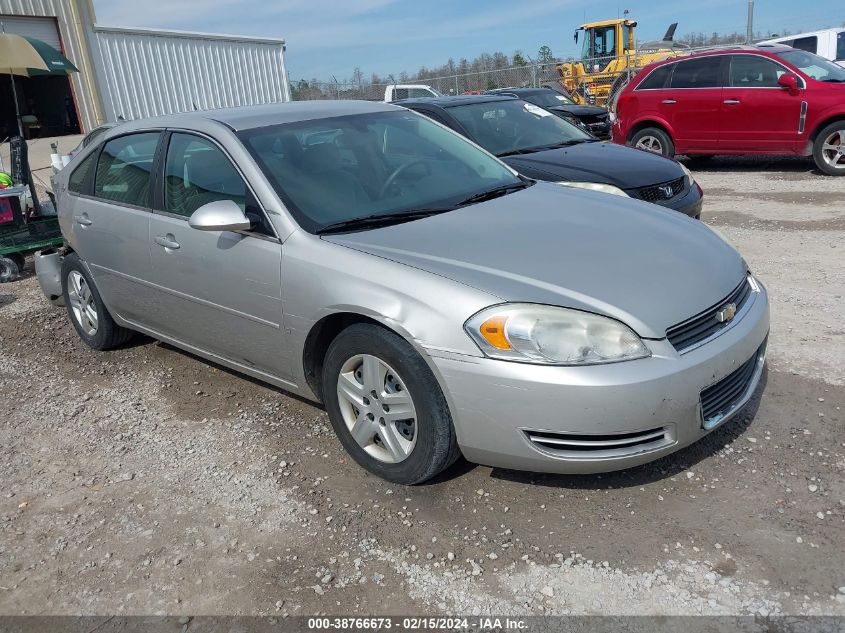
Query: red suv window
{"x":753,"y":71}
{"x":702,"y":72}
{"x":656,"y":79}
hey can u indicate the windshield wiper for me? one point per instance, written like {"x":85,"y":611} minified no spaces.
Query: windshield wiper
{"x":381,"y":219}
{"x":541,"y":148}
{"x":497,"y":192}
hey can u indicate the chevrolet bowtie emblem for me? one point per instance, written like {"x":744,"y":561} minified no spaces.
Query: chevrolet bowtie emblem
{"x":727,"y":313}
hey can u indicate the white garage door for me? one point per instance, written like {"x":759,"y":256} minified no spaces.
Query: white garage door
{"x":43,"y":29}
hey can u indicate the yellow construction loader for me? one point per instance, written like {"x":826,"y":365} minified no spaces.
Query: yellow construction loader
{"x":609,"y":57}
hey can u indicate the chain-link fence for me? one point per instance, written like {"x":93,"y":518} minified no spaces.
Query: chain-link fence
{"x":592,"y":81}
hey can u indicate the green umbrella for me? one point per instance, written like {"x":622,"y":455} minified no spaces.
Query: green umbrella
{"x":29,"y":57}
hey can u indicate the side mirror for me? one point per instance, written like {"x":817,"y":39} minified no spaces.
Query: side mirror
{"x":790,"y":82}
{"x":220,"y":215}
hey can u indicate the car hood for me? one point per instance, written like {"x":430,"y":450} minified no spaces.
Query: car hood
{"x":617,"y":165}
{"x":646,"y":266}
{"x":578,"y":110}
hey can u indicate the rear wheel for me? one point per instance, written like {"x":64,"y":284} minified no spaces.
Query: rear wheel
{"x":9,"y":269}
{"x":829,"y":149}
{"x":86,"y":309}
{"x":386,"y":406}
{"x":653,"y":139}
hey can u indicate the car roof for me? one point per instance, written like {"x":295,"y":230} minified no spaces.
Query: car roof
{"x":518,"y":91}
{"x":768,"y":50}
{"x":451,"y":101}
{"x":249,"y":117}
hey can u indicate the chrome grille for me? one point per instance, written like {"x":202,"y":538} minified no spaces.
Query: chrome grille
{"x":705,"y":324}
{"x":663,"y":191}
{"x":591,"y":446}
{"x":718,"y":400}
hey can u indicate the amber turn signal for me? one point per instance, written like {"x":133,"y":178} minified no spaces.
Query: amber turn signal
{"x":493,"y":331}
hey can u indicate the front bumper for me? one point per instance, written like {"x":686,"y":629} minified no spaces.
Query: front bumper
{"x":690,"y":203}
{"x":500,"y":408}
{"x":599,"y":130}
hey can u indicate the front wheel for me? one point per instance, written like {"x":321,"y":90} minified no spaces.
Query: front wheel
{"x":829,"y":149}
{"x":386,"y":406}
{"x":653,"y":139}
{"x":9,"y":269}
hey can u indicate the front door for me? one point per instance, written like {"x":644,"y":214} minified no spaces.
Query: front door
{"x":758,"y":115}
{"x":218,"y":291}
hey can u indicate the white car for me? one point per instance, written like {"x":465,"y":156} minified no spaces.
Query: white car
{"x":827,"y":43}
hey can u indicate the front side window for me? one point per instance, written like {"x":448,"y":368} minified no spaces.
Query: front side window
{"x":512,"y":126}
{"x":124,"y":168}
{"x":197,"y":172}
{"x":753,"y":71}
{"x":377,"y":163}
{"x":814,"y":66}
{"x":697,"y":73}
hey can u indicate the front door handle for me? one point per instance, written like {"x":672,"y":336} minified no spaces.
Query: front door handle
{"x":168,"y":241}
{"x":669,"y":101}
{"x":731,"y":101}
{"x":83,"y":220}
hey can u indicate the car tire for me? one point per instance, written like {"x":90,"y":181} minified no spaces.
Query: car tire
{"x":86,"y":310}
{"x":653,"y":139}
{"x":369,"y":369}
{"x":829,"y":149}
{"x":9,"y":270}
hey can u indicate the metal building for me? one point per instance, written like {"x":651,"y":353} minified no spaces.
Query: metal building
{"x":128,"y":73}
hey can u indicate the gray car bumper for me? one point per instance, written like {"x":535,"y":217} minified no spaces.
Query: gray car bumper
{"x":600,"y":418}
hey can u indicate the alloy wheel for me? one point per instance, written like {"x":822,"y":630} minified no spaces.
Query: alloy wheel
{"x":82,"y":303}
{"x":833,"y":149}
{"x":377,"y":408}
{"x":650,"y":144}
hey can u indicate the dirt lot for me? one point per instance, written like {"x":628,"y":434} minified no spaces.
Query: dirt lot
{"x":147,"y":481}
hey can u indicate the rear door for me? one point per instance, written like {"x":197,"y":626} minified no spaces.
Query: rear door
{"x":109,"y":199}
{"x":219,"y":291}
{"x":757,"y":114}
{"x":693,"y":102}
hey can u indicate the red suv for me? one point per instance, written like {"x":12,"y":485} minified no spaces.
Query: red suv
{"x":748,"y":100}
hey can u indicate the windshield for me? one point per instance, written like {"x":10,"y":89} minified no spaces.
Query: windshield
{"x":515,"y":126}
{"x":343,"y":168}
{"x":814,"y":66}
{"x":548,"y":99}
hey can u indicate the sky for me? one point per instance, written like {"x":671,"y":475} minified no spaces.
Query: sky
{"x":328,"y":38}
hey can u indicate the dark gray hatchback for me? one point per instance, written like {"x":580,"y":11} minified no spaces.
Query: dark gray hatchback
{"x":542,"y":146}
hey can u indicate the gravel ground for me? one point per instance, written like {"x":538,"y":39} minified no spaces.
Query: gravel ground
{"x":147,"y":481}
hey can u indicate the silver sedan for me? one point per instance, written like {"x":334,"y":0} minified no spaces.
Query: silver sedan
{"x":435,"y":302}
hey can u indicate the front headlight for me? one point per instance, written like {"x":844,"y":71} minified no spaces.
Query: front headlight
{"x":688,"y":173}
{"x":594,"y":186}
{"x":548,"y":335}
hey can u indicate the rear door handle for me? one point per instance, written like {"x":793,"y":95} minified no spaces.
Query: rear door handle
{"x":168,"y":241}
{"x":83,"y":220}
{"x":669,"y":101}
{"x":731,"y":101}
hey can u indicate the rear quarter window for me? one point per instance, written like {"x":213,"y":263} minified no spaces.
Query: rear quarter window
{"x":657,"y":78}
{"x":79,"y":178}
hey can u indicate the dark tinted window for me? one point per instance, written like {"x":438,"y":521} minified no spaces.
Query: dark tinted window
{"x":753,"y":71}
{"x":123,"y":173}
{"x":697,"y":73}
{"x":198,"y":172}
{"x":840,"y":46}
{"x":78,"y":181}
{"x":809,"y":44}
{"x":656,"y":79}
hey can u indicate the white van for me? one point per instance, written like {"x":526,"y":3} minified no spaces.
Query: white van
{"x":827,"y":43}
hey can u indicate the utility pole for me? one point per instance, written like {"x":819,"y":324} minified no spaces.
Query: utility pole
{"x":749,"y":32}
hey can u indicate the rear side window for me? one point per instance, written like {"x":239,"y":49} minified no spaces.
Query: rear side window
{"x":753,"y":71}
{"x":809,"y":44}
{"x":656,"y":79}
{"x":78,"y":181}
{"x":697,"y":73}
{"x":123,"y":173}
{"x":840,"y":46}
